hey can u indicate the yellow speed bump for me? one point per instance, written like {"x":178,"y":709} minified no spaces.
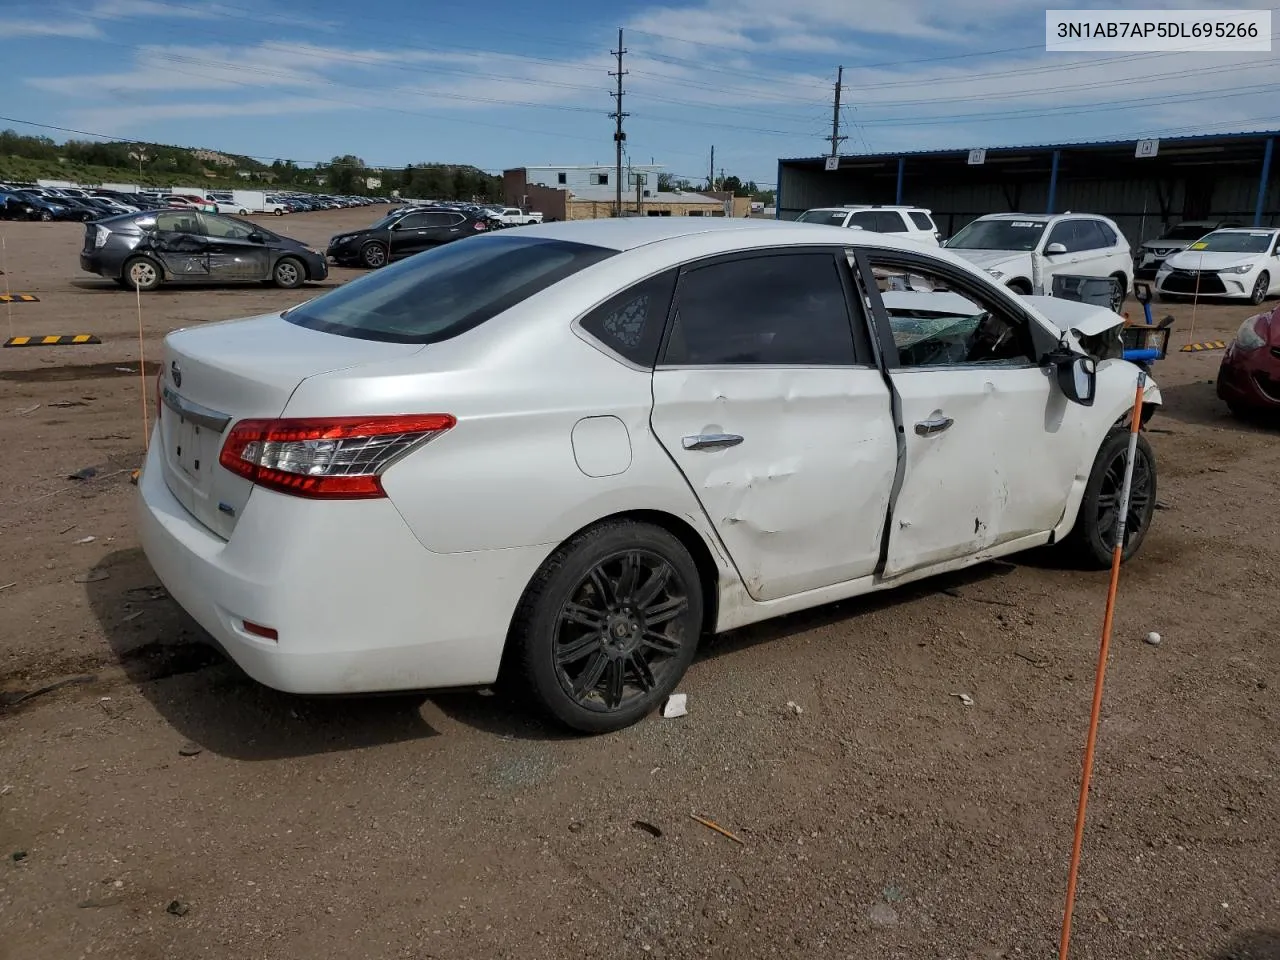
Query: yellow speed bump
{"x":19,"y":298}
{"x":1205,"y":345}
{"x":63,"y":340}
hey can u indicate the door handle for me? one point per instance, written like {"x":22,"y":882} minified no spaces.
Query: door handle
{"x":711,"y":441}
{"x":934,"y":425}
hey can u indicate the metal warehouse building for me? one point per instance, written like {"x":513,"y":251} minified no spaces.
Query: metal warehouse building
{"x":1143,"y":185}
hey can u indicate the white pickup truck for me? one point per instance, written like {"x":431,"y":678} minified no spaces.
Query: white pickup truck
{"x":515,"y":217}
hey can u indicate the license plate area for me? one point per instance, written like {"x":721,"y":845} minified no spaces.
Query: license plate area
{"x":192,"y":438}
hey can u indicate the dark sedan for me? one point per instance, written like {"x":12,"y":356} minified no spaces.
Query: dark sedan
{"x":401,"y":234}
{"x":39,"y":207}
{"x":143,"y":250}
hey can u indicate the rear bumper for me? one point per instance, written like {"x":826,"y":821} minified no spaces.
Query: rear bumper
{"x":359,"y":604}
{"x":1250,"y":380}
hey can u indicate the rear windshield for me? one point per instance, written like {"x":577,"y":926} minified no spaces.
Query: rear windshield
{"x":441,"y":293}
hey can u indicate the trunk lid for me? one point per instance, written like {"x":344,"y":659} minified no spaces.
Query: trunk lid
{"x":217,"y":375}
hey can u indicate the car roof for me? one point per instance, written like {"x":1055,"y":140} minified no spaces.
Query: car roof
{"x":1247,"y":230}
{"x":627,"y":233}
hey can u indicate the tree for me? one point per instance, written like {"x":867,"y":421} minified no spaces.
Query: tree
{"x":345,"y":173}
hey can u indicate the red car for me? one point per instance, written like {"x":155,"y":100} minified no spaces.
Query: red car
{"x":1249,"y":378}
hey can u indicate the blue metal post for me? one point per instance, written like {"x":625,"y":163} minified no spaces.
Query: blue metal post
{"x":1053,"y":182}
{"x":777,"y":190}
{"x":1262,"y":183}
{"x":902,"y":169}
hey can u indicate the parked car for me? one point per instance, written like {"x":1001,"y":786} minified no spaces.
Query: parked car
{"x":143,"y":250}
{"x":39,"y":207}
{"x":1249,"y":375}
{"x":183,"y":202}
{"x":916,"y":222}
{"x":515,"y":450}
{"x":1025,"y":252}
{"x":1235,"y":264}
{"x":402,"y":234}
{"x":511,"y":216}
{"x":1153,"y":253}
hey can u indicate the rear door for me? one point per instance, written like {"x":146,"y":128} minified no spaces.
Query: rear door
{"x":178,"y":241}
{"x":766,"y":398}
{"x":232,"y":255}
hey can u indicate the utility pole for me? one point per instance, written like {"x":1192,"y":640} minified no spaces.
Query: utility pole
{"x":835,"y":137}
{"x":618,"y":135}
{"x":711,"y":171}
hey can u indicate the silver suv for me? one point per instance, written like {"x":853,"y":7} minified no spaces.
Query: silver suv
{"x":915,"y":222}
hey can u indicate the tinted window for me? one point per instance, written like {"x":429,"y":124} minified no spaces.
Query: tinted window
{"x":415,"y":221}
{"x":922,"y":221}
{"x":938,"y":322}
{"x":631,"y":323}
{"x":1076,"y":235}
{"x":834,"y":218}
{"x":1109,"y":238}
{"x":776,"y":309}
{"x":177,"y":221}
{"x":439,"y":294}
{"x":891,"y":222}
{"x":442,"y":219}
{"x":866,"y":219}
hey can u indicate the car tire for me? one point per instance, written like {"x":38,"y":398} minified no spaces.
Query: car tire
{"x":45,"y":216}
{"x":142,"y":273}
{"x":278,"y":212}
{"x":373,"y":255}
{"x":289,"y":273}
{"x":1092,"y":538}
{"x":1261,"y":288}
{"x":1117,"y":302}
{"x":1020,"y":287}
{"x":619,"y":577}
{"x":244,"y":213}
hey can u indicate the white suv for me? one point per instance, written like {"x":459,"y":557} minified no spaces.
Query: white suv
{"x":916,"y":222}
{"x":1025,"y":251}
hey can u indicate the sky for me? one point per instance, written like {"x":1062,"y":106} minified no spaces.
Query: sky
{"x":502,"y":84}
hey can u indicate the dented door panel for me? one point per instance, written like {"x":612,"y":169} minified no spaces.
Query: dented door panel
{"x":1001,"y":469}
{"x":800,"y":503}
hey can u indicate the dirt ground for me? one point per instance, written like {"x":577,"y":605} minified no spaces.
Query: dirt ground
{"x":162,"y":805}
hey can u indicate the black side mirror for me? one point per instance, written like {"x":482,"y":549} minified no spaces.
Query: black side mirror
{"x":1077,"y":376}
{"x":257,"y":238}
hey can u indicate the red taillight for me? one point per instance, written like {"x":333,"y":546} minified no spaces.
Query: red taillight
{"x":336,"y":458}
{"x":479,"y":225}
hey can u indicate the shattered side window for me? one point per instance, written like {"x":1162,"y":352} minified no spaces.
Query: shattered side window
{"x":630,"y":323}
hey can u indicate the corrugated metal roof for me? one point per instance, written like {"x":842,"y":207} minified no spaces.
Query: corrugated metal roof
{"x":950,"y":151}
{"x":607,"y":194}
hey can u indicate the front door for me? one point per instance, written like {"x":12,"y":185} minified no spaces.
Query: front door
{"x":766,"y":398}
{"x":177,"y":240}
{"x":232,"y":254}
{"x":1085,"y":256}
{"x":991,"y":446}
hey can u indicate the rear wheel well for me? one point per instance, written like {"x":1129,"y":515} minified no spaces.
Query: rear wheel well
{"x":690,"y":539}
{"x":1019,"y":285}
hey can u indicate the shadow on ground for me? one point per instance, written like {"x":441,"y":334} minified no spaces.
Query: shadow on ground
{"x":1256,"y":945}
{"x":209,"y":700}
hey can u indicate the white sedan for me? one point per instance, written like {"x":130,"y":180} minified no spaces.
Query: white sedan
{"x":1236,"y":264}
{"x":568,"y":452}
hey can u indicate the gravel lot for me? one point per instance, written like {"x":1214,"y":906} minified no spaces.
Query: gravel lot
{"x":162,"y":805}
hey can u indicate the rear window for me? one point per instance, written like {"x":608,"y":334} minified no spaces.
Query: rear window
{"x":922,"y":221}
{"x":439,"y":294}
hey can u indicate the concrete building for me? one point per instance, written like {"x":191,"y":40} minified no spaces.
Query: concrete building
{"x":589,"y":192}
{"x":1145,"y":186}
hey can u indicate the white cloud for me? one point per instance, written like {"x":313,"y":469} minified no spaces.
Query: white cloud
{"x":17,"y":29}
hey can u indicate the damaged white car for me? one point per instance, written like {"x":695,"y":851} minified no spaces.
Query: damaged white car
{"x":566,"y":453}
